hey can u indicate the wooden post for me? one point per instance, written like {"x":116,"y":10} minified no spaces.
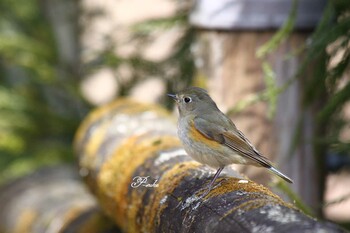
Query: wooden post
{"x":133,"y":162}
{"x":229,"y":34}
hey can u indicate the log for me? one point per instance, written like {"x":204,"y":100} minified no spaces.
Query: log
{"x":133,"y":162}
{"x":50,"y":200}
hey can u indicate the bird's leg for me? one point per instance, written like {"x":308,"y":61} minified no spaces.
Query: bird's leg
{"x":210,"y":186}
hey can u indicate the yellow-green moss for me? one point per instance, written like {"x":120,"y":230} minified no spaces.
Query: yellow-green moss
{"x":25,"y":221}
{"x":115,"y":176}
{"x":88,"y":159}
{"x":167,"y":184}
{"x":95,"y":223}
{"x":125,"y":106}
{"x":229,"y":184}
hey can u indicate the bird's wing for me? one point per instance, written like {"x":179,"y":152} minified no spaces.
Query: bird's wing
{"x":232,"y":138}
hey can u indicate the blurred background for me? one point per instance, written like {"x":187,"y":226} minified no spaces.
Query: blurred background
{"x":284,"y":80}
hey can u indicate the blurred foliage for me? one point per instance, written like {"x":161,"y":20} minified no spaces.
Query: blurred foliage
{"x":40,"y":103}
{"x":40,"y":107}
{"x":324,"y":73}
{"x":176,"y":70}
{"x":272,"y":90}
{"x":328,"y":86}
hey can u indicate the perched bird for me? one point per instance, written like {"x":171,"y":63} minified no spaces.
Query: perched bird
{"x":211,"y":138}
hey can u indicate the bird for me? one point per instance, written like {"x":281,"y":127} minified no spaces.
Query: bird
{"x":211,"y":138}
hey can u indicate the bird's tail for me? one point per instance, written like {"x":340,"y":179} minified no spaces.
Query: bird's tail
{"x":280,"y":174}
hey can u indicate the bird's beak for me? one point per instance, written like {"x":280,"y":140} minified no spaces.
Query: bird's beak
{"x":174,"y":97}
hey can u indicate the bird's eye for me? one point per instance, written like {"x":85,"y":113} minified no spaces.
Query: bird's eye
{"x":187,"y":99}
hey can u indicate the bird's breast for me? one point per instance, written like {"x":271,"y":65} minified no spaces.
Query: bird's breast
{"x":194,"y":139}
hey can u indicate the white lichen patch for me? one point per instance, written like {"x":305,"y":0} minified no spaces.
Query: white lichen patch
{"x":189,"y":201}
{"x":319,"y":230}
{"x":167,"y":155}
{"x":240,"y":193}
{"x":240,"y":212}
{"x":275,"y":213}
{"x":262,"y":211}
{"x":243,"y":182}
{"x":163,"y":200}
{"x":256,"y":228}
{"x":203,"y":172}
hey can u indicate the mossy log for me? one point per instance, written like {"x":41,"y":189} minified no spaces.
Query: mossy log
{"x":133,"y":162}
{"x":51,"y":200}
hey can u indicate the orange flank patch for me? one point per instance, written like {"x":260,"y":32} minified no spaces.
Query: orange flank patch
{"x":199,"y":137}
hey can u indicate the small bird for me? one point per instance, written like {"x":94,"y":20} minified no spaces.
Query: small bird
{"x":211,"y":138}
